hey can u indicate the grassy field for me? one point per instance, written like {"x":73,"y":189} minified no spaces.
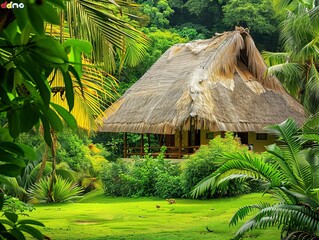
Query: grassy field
{"x":98,"y":217}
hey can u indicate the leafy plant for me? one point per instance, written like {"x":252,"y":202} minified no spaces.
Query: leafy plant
{"x":11,"y":227}
{"x":291,"y":176}
{"x":14,"y":205}
{"x":207,"y":159}
{"x":63,"y":191}
{"x":143,"y":177}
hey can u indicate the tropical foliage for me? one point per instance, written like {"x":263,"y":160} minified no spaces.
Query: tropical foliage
{"x":143,"y":177}
{"x":63,"y":191}
{"x":291,"y":175}
{"x":297,"y":65}
{"x":207,"y":159}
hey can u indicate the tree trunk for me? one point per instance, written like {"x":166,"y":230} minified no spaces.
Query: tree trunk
{"x":53,"y":174}
{"x":44,"y":161}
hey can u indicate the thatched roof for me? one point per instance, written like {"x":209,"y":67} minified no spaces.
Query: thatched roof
{"x":219,"y":82}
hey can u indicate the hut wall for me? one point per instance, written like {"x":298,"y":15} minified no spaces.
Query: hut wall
{"x":258,"y":142}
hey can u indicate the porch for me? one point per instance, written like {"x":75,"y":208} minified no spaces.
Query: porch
{"x":176,"y":145}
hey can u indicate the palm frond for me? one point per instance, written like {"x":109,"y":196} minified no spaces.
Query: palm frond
{"x":245,"y":211}
{"x":289,"y":74}
{"x":236,"y":166}
{"x":282,"y":164}
{"x":284,"y":5}
{"x":291,"y":217}
{"x":90,"y":100}
{"x":314,"y":17}
{"x":311,"y":100}
{"x":300,"y":198}
{"x":100,"y":23}
{"x":311,"y":125}
{"x":287,"y":132}
{"x":309,"y":51}
{"x":311,"y":155}
{"x":274,"y":58}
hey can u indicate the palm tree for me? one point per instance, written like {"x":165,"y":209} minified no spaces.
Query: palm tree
{"x":291,"y":175}
{"x":115,"y":42}
{"x":297,"y":66}
{"x":106,"y":25}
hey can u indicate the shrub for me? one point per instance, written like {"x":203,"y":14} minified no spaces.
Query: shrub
{"x":206,"y":160}
{"x":168,"y":186}
{"x":63,"y":191}
{"x":143,"y":177}
{"x":114,"y":179}
{"x":14,"y":205}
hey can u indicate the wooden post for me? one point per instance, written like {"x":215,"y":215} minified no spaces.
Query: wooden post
{"x":222,"y":134}
{"x":149,"y":141}
{"x":180,"y":133}
{"x":125,"y":145}
{"x":161,"y":140}
{"x":142,"y":144}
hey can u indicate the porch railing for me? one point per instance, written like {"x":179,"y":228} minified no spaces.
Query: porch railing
{"x":171,"y":151}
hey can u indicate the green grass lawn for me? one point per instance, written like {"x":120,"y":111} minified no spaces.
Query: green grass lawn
{"x":100,"y":217}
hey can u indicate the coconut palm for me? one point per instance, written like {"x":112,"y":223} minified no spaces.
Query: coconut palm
{"x":291,"y":175}
{"x":297,"y":67}
{"x":115,"y":42}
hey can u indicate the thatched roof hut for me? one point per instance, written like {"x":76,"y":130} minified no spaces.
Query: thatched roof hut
{"x":220,"y":83}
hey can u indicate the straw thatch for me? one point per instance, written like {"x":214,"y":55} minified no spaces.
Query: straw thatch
{"x":220,"y":82}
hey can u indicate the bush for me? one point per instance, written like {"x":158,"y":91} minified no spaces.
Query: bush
{"x":206,"y":160}
{"x":150,"y":176}
{"x":143,"y":177}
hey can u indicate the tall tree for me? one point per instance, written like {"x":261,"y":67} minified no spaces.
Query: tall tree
{"x":297,"y":66}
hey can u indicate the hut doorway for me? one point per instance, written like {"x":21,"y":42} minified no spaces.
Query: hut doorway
{"x":243,"y":137}
{"x":193,"y":139}
{"x":169,"y":140}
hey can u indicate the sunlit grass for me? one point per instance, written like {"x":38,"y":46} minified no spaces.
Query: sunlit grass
{"x":99,"y":217}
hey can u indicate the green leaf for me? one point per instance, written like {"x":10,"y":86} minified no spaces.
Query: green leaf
{"x":6,"y":222}
{"x":17,"y":234}
{"x":77,"y":77}
{"x":51,"y":47}
{"x":75,"y":56}
{"x":1,"y":199}
{"x":6,"y":182}
{"x":11,"y":31}
{"x":21,"y":15}
{"x":32,"y":231}
{"x":28,"y":117}
{"x":67,"y":117}
{"x":33,"y":74}
{"x":12,"y":147}
{"x":83,"y":46}
{"x":46,"y":130}
{"x":11,"y":216}
{"x":29,"y":152}
{"x":31,"y":222}
{"x":68,"y":89}
{"x":59,"y":3}
{"x":49,"y":13}
{"x":5,"y":135}
{"x":10,"y":170}
{"x":35,"y":19}
{"x":14,"y":123}
{"x":54,"y":120}
{"x":12,"y":159}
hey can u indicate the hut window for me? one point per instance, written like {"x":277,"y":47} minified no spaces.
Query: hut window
{"x":209,"y":135}
{"x":261,"y":136}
